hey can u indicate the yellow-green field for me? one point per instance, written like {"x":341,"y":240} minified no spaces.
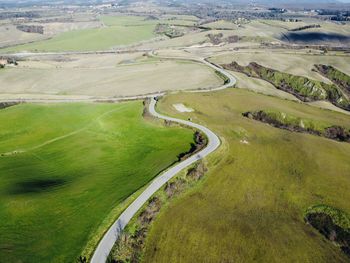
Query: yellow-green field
{"x":67,"y":171}
{"x":65,"y":167}
{"x":118,"y":31}
{"x":250,"y":207}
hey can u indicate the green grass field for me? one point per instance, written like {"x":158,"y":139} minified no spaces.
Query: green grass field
{"x":141,"y":20}
{"x":125,"y":20}
{"x":121,"y":30}
{"x":65,"y":167}
{"x":251,"y":205}
{"x":116,"y":31}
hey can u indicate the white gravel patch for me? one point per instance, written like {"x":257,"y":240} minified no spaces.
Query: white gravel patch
{"x":244,"y":141}
{"x":182,"y":108}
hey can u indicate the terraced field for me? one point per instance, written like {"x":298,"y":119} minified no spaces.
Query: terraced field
{"x":65,"y":167}
{"x":252,"y":203}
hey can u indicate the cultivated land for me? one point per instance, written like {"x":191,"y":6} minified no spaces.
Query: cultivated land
{"x":104,"y":76}
{"x":67,"y":171}
{"x":9,"y":35}
{"x":117,"y":31}
{"x":251,"y":205}
{"x":65,"y":167}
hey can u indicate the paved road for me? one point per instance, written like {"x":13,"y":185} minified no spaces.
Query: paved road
{"x":106,"y":244}
{"x":232,"y":80}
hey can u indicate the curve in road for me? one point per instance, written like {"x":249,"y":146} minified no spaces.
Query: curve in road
{"x":231,"y":79}
{"x":109,"y":239}
{"x":107,"y":242}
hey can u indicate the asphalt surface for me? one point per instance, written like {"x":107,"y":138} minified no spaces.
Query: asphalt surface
{"x":107,"y":242}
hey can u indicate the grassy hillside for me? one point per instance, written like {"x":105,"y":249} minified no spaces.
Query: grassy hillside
{"x":303,"y":88}
{"x":251,"y":205}
{"x":338,"y":77}
{"x":289,"y":122}
{"x":286,"y":61}
{"x":113,"y":31}
{"x":64,"y":167}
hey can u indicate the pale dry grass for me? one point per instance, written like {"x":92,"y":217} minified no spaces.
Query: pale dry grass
{"x":297,"y":63}
{"x":80,"y":61}
{"x":259,"y":29}
{"x":293,"y":62}
{"x":177,"y":53}
{"x":187,"y":40}
{"x":134,"y":77}
{"x":55,"y":28}
{"x":221,"y":24}
{"x":328,"y":106}
{"x":260,"y":86}
{"x":9,"y":35}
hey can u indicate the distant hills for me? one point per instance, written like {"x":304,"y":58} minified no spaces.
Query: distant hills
{"x":300,"y":4}
{"x":277,"y":3}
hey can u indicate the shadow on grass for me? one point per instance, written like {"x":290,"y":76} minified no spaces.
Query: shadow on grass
{"x":36,"y":186}
{"x":332,"y":223}
{"x":314,"y":37}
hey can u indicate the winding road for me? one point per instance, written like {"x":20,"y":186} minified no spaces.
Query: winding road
{"x":107,"y":242}
{"x":109,"y":239}
{"x":204,"y":61}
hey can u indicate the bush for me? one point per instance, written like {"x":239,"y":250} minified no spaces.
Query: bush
{"x":332,"y":223}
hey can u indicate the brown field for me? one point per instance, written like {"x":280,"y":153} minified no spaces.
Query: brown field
{"x":105,"y":76}
{"x":9,"y":35}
